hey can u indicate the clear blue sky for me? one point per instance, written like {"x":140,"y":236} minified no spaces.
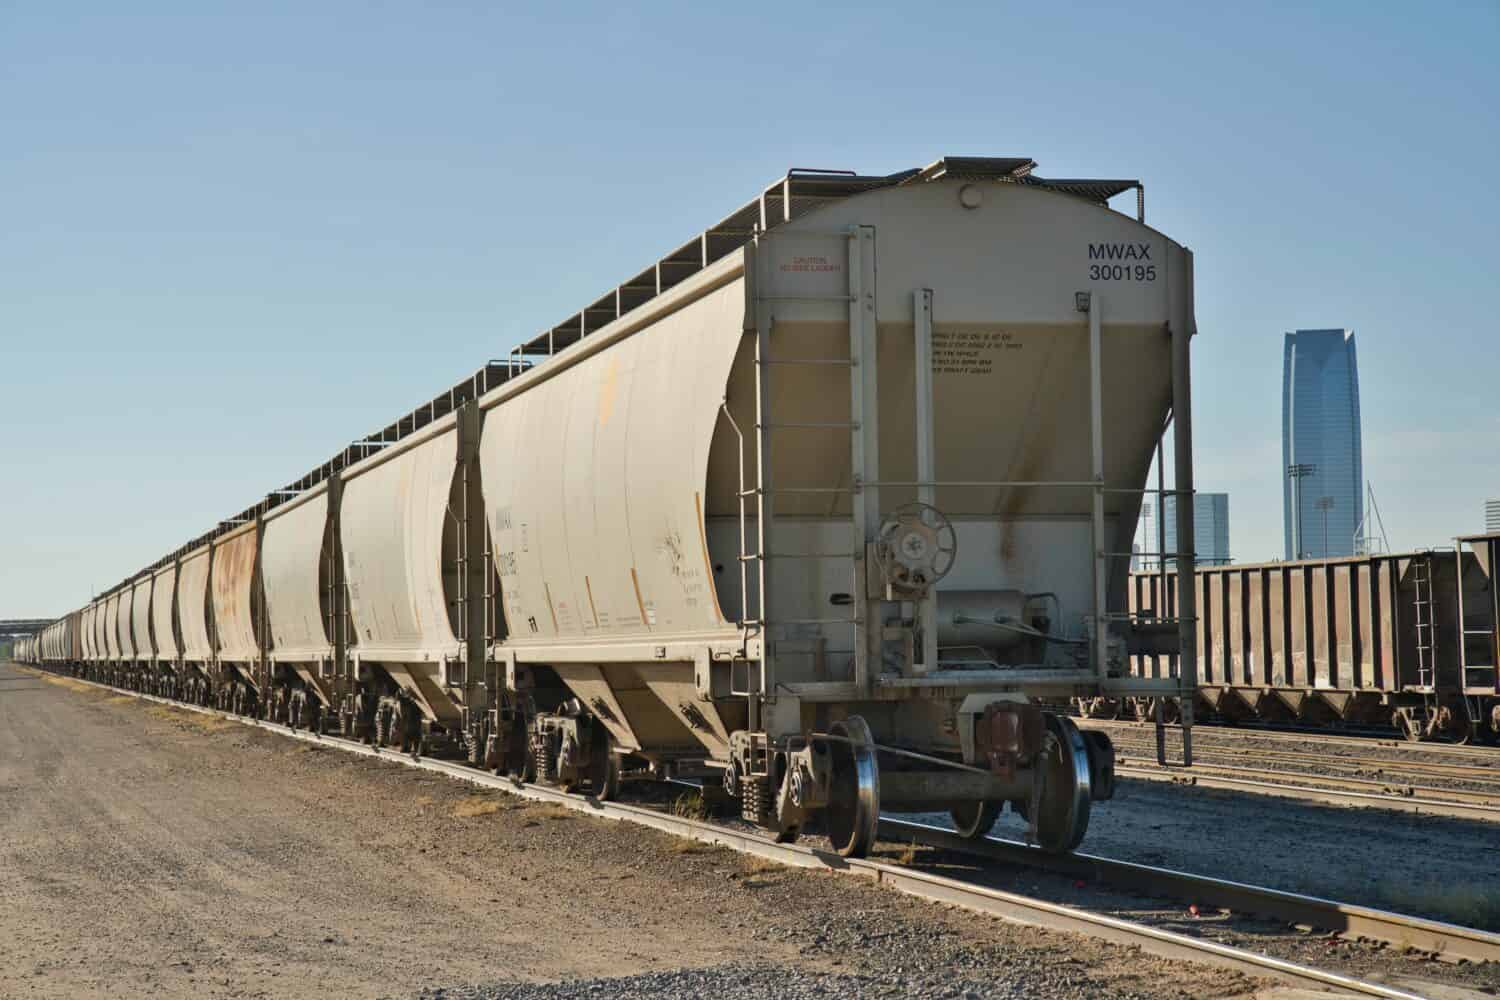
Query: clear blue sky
{"x":234,"y":237}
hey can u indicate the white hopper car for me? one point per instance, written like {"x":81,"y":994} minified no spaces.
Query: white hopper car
{"x":832,"y":505}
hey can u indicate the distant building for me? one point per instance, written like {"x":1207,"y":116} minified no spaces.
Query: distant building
{"x":1145,"y":540}
{"x":1492,"y":515}
{"x":1210,"y":527}
{"x":1322,"y":462}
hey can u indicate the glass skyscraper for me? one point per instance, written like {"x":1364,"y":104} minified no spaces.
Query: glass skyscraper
{"x":1322,"y":465}
{"x":1210,"y":525}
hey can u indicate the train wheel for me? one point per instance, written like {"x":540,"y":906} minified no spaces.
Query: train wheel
{"x":1410,"y":729}
{"x":1063,"y":812}
{"x":604,"y":766}
{"x":362,"y":721}
{"x":520,"y":763}
{"x":853,"y":810}
{"x":973,"y":820}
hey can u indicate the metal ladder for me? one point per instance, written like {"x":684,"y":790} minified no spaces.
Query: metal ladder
{"x":763,"y":493}
{"x":1421,"y":578}
{"x":1479,"y":675}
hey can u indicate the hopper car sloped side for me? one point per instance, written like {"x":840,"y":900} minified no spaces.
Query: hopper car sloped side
{"x":195,"y":624}
{"x":86,"y":634}
{"x":73,"y":642}
{"x":127,"y":626}
{"x":299,"y":576}
{"x":112,"y":629}
{"x":166,"y":666}
{"x":399,"y":543}
{"x":234,"y":595}
{"x":140,"y":620}
{"x":101,"y":651}
{"x":163,"y":616}
{"x":594,"y":484}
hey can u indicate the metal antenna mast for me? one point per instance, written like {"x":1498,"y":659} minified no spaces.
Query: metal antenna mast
{"x":1364,"y":539}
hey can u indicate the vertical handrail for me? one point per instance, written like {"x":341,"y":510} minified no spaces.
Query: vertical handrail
{"x":764,"y":508}
{"x":1096,"y":471}
{"x":744,"y":526}
{"x":926,"y":460}
{"x":861,"y":382}
{"x":1184,"y":562}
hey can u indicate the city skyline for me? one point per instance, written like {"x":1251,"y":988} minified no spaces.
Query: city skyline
{"x":1322,"y":459}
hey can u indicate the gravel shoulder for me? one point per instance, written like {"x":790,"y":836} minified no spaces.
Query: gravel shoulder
{"x":148,"y":851}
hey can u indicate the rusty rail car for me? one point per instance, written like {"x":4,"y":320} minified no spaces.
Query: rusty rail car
{"x":1409,"y":640}
{"x":833,"y":503}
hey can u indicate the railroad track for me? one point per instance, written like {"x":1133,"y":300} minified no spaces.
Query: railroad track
{"x":1448,"y":941}
{"x":1329,"y":791}
{"x":1304,"y":736}
{"x":1490,"y":799}
{"x":1475,"y":773}
{"x":1431,"y":936}
{"x":1137,"y":759}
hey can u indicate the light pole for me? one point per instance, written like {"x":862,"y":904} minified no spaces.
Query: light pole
{"x":1325,"y":504}
{"x":1297,"y":472}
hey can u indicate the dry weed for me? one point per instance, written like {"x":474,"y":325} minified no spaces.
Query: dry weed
{"x":754,"y":865}
{"x":690,"y":805}
{"x":471,"y":806}
{"x":551,"y":810}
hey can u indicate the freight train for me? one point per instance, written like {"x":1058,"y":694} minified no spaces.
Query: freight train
{"x":831,"y":505}
{"x":1408,"y":640}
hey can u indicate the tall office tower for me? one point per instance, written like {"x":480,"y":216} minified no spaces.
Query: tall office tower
{"x":1322,"y":466}
{"x":1210,"y":525}
{"x":1492,"y":515}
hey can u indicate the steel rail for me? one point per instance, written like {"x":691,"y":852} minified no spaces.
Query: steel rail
{"x":1479,"y":774}
{"x":1399,"y":789}
{"x":1308,"y":793}
{"x":981,"y":899}
{"x":1251,"y":731}
{"x":1451,"y":942}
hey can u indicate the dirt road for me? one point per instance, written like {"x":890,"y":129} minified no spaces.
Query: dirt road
{"x":146,"y":851}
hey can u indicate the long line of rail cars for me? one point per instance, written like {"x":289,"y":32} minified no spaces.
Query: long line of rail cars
{"x":833,"y":504}
{"x":1409,"y":640}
